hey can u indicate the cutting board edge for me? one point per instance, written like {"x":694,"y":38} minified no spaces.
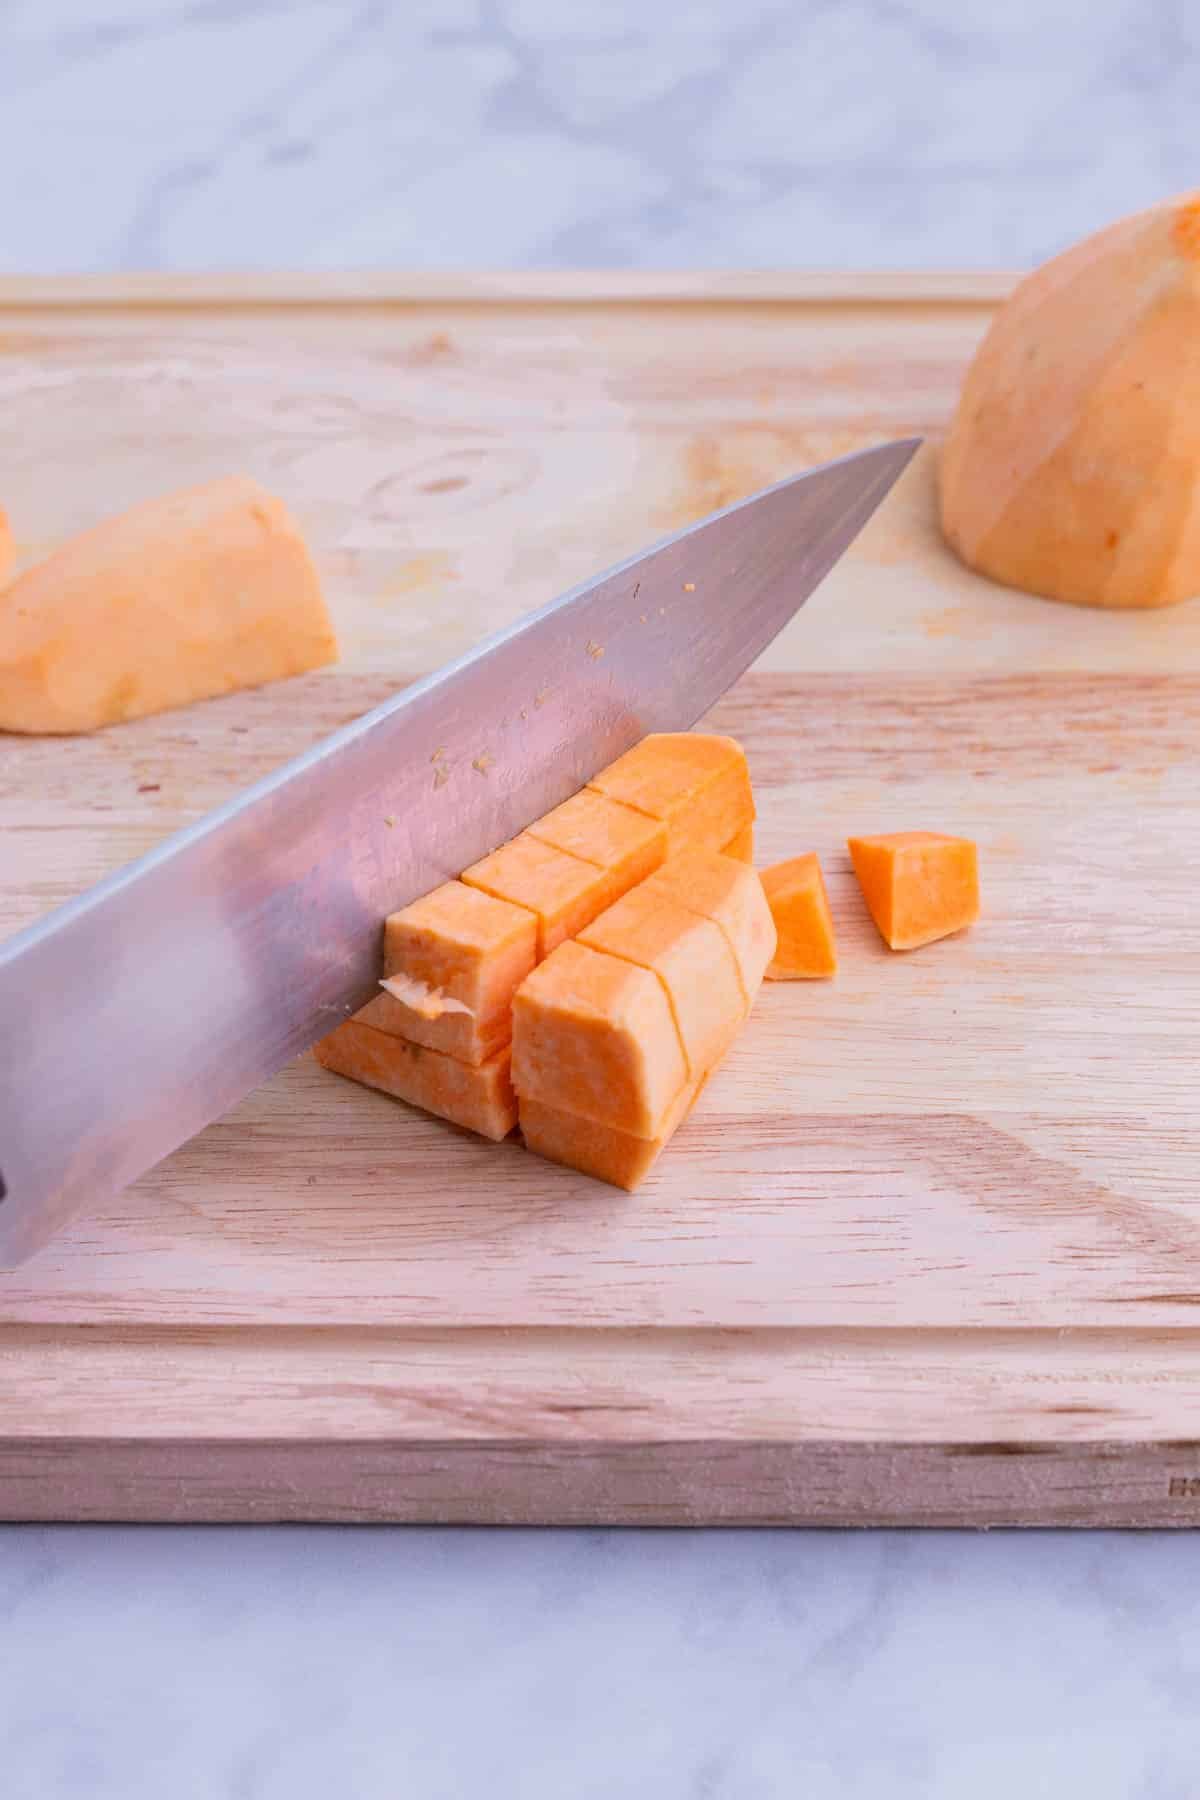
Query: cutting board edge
{"x":526,"y":1482}
{"x":489,"y":288}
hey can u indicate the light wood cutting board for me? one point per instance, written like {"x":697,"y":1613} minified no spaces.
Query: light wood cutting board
{"x":929,"y":1250}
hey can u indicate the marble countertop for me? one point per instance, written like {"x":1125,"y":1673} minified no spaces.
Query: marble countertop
{"x":283,"y":1664}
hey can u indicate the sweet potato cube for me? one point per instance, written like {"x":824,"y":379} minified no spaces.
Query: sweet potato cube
{"x":455,"y":945}
{"x":480,"y":1099}
{"x":697,"y":784}
{"x":561,"y":891}
{"x":807,"y":948}
{"x":601,"y":1150}
{"x":594,"y":1035}
{"x":691,"y":957}
{"x":918,"y":885}
{"x":741,"y":847}
{"x":605,"y":833}
{"x":425,"y":1015}
{"x":731,"y":895}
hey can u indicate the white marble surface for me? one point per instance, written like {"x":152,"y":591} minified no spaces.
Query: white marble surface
{"x":419,"y":1665}
{"x":440,"y":133}
{"x":279,"y":1665}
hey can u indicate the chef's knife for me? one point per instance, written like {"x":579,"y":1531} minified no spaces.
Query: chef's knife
{"x":139,"y":1012}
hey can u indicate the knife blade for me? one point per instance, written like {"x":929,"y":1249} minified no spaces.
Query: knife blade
{"x":136,"y":1014}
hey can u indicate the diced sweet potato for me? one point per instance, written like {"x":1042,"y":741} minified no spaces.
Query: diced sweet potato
{"x":697,"y":784}
{"x":480,"y":1099}
{"x":455,"y":1032}
{"x":806,"y":948}
{"x":918,"y":885}
{"x":731,"y":895}
{"x":601,"y":1150}
{"x":467,"y":946}
{"x":691,"y":957}
{"x":563,"y":892}
{"x":741,"y":847}
{"x":595,"y":1036}
{"x":193,"y":594}
{"x":605,"y":833}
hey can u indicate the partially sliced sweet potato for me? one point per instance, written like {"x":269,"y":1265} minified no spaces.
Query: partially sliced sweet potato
{"x":601,"y":1150}
{"x":698,"y":784}
{"x":594,"y":1035}
{"x":458,"y":944}
{"x":918,"y":885}
{"x":731,"y":895}
{"x":563,"y":892}
{"x":605,"y":833}
{"x":691,"y":957}
{"x":806,"y":948}
{"x":197,"y":593}
{"x":480,"y":1099}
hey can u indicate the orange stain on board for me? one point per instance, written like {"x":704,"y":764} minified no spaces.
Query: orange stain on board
{"x":428,"y":570}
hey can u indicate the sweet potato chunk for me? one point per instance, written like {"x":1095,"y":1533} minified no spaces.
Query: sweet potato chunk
{"x":605,"y":833}
{"x":697,"y":784}
{"x":601,"y":1150}
{"x":450,"y":1029}
{"x":741,"y":847}
{"x":807,"y":948}
{"x":731,"y":895}
{"x":455,"y":944}
{"x":691,"y":957}
{"x":918,"y":885}
{"x":595,"y":1036}
{"x":193,"y":594}
{"x":480,"y":1099}
{"x":561,"y":891}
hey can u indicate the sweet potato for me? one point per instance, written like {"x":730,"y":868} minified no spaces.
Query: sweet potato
{"x":481,"y":1099}
{"x":918,"y":885}
{"x":193,"y":594}
{"x":806,"y":947}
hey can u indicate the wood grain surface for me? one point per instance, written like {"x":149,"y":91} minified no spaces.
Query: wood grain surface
{"x":929,"y":1250}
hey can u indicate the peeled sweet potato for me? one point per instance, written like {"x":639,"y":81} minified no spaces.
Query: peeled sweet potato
{"x":193,"y":594}
{"x":1072,"y":469}
{"x":479,"y":1098}
{"x":807,"y":948}
{"x":918,"y":885}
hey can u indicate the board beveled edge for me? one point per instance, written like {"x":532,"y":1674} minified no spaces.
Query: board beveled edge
{"x":236,"y":289}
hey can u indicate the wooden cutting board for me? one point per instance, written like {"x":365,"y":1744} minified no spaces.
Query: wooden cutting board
{"x":929,"y":1251}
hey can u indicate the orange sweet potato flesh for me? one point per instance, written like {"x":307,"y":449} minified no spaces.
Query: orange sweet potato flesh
{"x":918,"y":885}
{"x":479,"y":1099}
{"x":594,"y":1035}
{"x":563,"y":892}
{"x":697,"y":783}
{"x":731,"y":895}
{"x":1073,"y":465}
{"x":193,"y":594}
{"x":468,"y":947}
{"x":6,"y":545}
{"x":605,"y":833}
{"x":691,"y":957}
{"x":741,"y":847}
{"x":807,"y":948}
{"x":601,"y":1150}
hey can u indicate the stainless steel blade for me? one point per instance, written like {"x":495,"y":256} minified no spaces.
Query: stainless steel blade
{"x":141,"y":1011}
